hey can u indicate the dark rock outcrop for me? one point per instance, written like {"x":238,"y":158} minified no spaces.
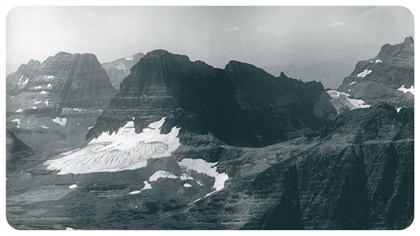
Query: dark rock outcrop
{"x":380,"y":78}
{"x":360,"y":176}
{"x":241,"y":104}
{"x":119,"y":69}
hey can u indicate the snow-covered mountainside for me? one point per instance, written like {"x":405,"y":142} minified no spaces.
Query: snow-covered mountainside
{"x":119,"y":69}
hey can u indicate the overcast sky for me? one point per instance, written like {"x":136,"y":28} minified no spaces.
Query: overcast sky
{"x":257,"y":35}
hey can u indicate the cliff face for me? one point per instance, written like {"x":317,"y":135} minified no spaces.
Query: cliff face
{"x":61,"y":98}
{"x":388,"y":77}
{"x":18,"y":80}
{"x":119,"y":69}
{"x":66,"y":80}
{"x":360,"y":176}
{"x":200,"y":98}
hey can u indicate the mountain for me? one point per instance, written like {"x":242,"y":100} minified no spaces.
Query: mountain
{"x":119,"y":69}
{"x":66,"y":80}
{"x":184,"y":145}
{"x":61,"y":99}
{"x":226,"y":102}
{"x":18,"y":80}
{"x":326,"y":72}
{"x":388,"y":77}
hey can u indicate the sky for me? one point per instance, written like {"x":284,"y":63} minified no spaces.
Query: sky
{"x":216,"y":35}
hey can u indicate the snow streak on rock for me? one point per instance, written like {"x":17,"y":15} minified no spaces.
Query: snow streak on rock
{"x":364,"y":73}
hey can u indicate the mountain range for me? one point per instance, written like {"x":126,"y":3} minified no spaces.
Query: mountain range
{"x":184,"y":145}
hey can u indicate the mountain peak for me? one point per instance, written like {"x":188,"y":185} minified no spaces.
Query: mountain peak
{"x":409,"y":39}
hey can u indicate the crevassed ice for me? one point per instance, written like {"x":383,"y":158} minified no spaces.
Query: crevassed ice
{"x":208,"y":168}
{"x":407,"y":90}
{"x":340,"y":100}
{"x":364,"y":73}
{"x":121,"y":150}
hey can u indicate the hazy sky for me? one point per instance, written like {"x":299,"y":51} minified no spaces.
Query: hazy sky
{"x":257,"y":35}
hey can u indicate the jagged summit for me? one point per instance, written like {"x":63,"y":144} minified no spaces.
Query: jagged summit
{"x":388,"y":77}
{"x":409,"y":39}
{"x":65,"y":80}
{"x":241,"y":104}
{"x":119,"y":69}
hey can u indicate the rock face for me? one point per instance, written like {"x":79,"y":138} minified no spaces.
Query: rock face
{"x":226,"y":102}
{"x":71,"y":87}
{"x":360,"y":176}
{"x":119,"y":69}
{"x":66,"y":80}
{"x":18,"y":80}
{"x":388,"y":77}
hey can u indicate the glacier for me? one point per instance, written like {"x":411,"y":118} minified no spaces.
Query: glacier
{"x":118,"y":151}
{"x":341,"y":100}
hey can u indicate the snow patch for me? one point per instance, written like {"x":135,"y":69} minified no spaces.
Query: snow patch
{"x":354,"y":82}
{"x":406,"y":90}
{"x":17,"y":121}
{"x":43,"y":92}
{"x":73,"y":186}
{"x":398,"y":109}
{"x":129,"y":58}
{"x":162,"y":174}
{"x":146,"y":186}
{"x":60,"y":120}
{"x":44,"y":127}
{"x":208,"y":168}
{"x":364,"y":73}
{"x":378,"y":61}
{"x":121,"y":150}
{"x":47,"y":102}
{"x":134,"y":192}
{"x":68,"y":228}
{"x":38,"y":87}
{"x":24,"y":82}
{"x":49,"y":86}
{"x":19,"y":110}
{"x":186,"y":185}
{"x":341,"y":100}
{"x":48,"y":77}
{"x":37,"y":102}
